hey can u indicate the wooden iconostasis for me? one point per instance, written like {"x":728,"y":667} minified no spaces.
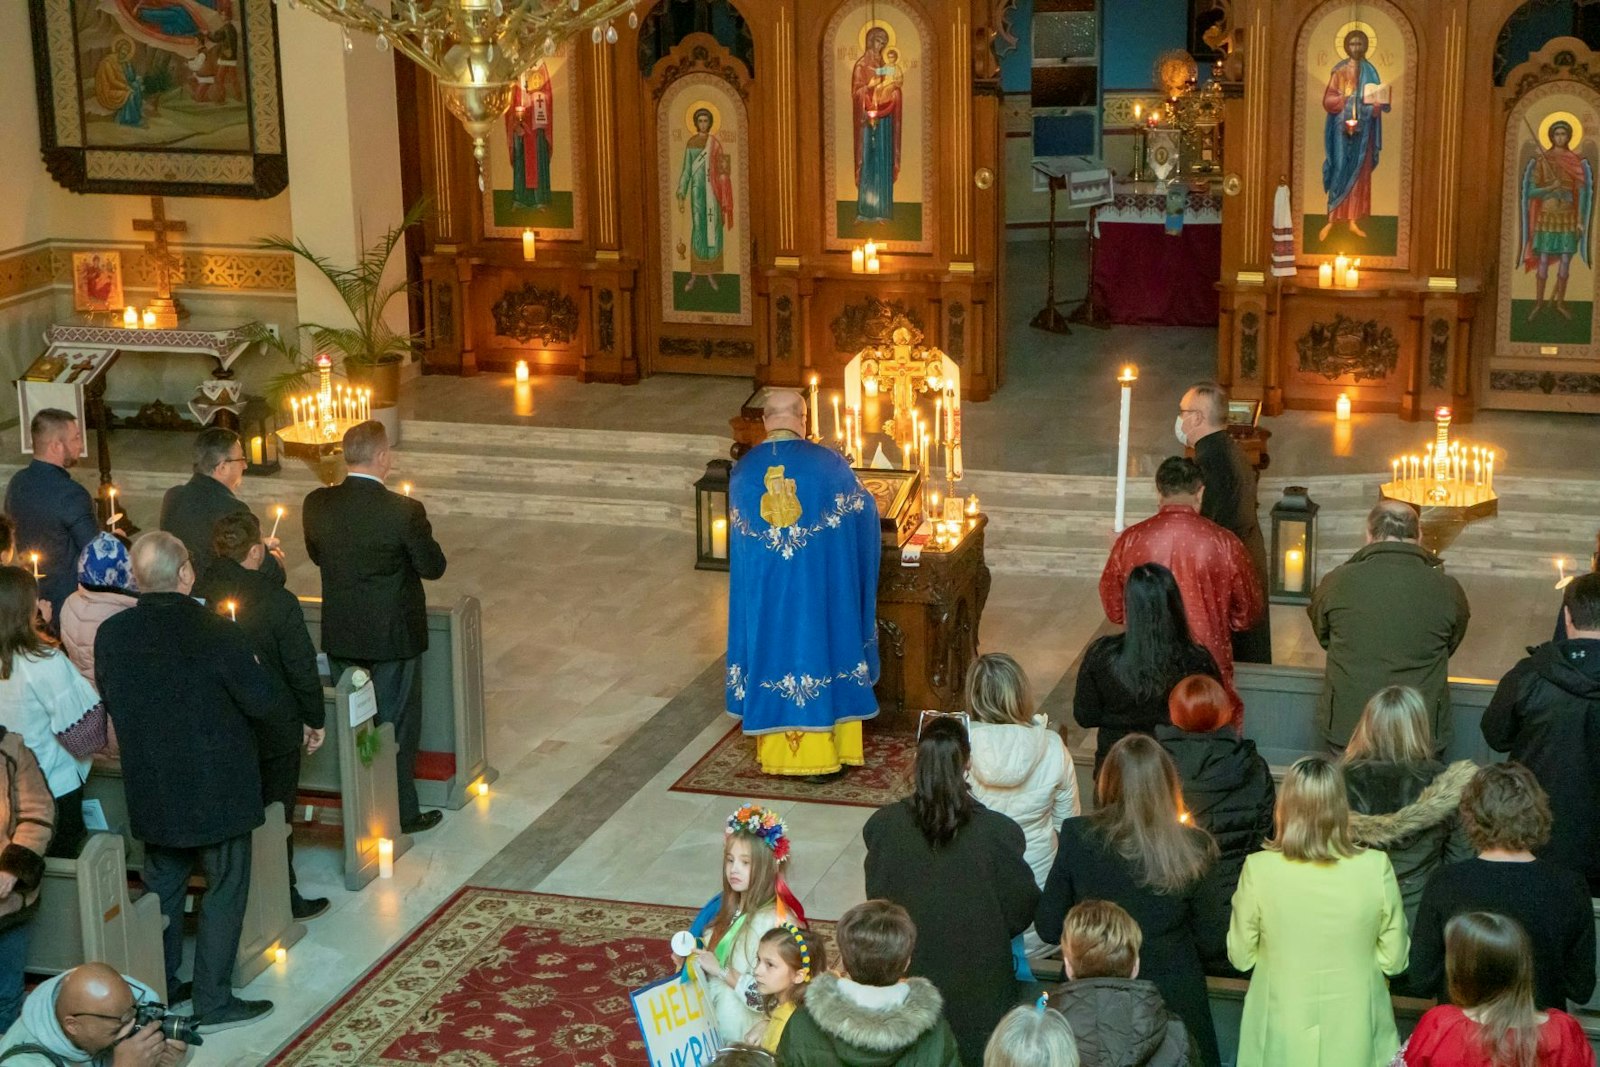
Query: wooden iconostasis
{"x":696,"y":190}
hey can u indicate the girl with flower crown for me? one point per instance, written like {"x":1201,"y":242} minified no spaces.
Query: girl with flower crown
{"x":754,"y":900}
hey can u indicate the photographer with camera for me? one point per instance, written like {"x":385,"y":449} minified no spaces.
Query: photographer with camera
{"x":93,"y":1015}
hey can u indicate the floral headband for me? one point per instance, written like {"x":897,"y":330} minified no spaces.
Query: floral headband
{"x":763,"y":823}
{"x":798,"y":936}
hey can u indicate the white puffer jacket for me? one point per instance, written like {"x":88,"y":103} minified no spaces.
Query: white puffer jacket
{"x":1024,"y":772}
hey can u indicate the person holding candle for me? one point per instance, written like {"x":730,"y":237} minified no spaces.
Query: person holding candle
{"x":1230,"y":497}
{"x":271,"y":618}
{"x":190,"y":511}
{"x":54,"y":515}
{"x":375,"y":548}
{"x":1387,"y":616}
{"x":185,"y":690}
{"x":802,"y":606}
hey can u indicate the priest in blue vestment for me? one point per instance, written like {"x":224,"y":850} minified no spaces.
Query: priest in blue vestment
{"x":802,"y":600}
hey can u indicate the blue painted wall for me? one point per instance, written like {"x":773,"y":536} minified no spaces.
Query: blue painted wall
{"x":1016,"y":67}
{"x":1133,"y":33}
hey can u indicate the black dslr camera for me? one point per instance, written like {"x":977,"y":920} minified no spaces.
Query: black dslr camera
{"x":173,"y":1027}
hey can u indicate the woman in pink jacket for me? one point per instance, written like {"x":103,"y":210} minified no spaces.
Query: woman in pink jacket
{"x":105,"y":587}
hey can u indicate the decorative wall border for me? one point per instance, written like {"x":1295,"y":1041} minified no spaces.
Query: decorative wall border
{"x":43,"y":266}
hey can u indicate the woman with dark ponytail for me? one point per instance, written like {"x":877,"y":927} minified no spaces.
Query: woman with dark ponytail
{"x":958,"y":869}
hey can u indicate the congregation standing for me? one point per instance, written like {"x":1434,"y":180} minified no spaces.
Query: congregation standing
{"x":184,"y":661}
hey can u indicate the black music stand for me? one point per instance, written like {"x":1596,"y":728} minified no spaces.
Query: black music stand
{"x":1089,"y":312}
{"x":1050,"y":317}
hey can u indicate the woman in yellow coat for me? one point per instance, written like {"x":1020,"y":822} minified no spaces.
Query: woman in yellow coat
{"x":1321,"y":922}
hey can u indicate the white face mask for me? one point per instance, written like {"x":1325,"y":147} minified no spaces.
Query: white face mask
{"x":1177,"y":429}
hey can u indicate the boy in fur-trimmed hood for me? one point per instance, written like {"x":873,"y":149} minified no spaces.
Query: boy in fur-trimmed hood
{"x":874,"y":1017}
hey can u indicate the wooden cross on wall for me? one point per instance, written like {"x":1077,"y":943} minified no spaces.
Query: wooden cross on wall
{"x":161,"y":256}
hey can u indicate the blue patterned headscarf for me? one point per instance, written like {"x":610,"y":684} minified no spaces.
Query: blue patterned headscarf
{"x":105,"y":563}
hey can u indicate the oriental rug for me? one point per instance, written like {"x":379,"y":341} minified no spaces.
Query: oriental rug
{"x":730,"y":770}
{"x":498,"y":978}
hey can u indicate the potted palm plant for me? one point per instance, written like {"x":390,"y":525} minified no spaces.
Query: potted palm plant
{"x":366,"y":350}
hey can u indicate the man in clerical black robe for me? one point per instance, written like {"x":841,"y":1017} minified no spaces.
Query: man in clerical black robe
{"x":802,"y":605}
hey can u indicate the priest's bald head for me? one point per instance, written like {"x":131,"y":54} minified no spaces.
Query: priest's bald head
{"x":785,"y":409}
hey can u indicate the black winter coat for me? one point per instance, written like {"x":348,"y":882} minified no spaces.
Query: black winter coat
{"x":1121,"y":1022}
{"x":968,"y":899}
{"x":1100,"y":700}
{"x":1408,"y":810}
{"x":1175,"y":932}
{"x":1228,"y":789}
{"x":182,"y":686}
{"x":374,"y":548}
{"x":272,"y":620}
{"x":1546,"y":713}
{"x":190,"y":512}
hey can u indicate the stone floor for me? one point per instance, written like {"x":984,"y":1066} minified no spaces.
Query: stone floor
{"x":598,"y":639}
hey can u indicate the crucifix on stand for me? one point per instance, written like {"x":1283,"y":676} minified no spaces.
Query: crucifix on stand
{"x":165,"y":308}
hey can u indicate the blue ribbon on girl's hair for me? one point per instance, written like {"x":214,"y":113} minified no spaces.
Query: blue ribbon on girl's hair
{"x":707,"y":913}
{"x":1042,"y":1003}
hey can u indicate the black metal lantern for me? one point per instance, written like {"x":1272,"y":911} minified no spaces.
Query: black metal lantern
{"x":711,"y":517}
{"x":1294,"y":547}
{"x":258,"y":433}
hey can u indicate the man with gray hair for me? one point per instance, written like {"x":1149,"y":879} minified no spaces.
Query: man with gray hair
{"x":375,"y":548}
{"x":183,"y":689}
{"x":191,"y":510}
{"x":803,"y":553}
{"x":1387,"y":616}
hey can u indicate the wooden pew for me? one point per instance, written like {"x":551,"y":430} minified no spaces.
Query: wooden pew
{"x":268,"y":922}
{"x":86,"y":913}
{"x":369,"y":800}
{"x":453,"y":752}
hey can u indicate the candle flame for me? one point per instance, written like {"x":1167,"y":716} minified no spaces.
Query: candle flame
{"x":1130,"y":373}
{"x":280,"y":510}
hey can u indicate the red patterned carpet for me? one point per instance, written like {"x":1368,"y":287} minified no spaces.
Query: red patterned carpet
{"x":496,"y":978}
{"x":730,"y":770}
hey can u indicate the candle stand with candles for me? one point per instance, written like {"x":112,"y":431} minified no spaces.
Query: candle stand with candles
{"x":319,"y":420}
{"x":1451,"y":483}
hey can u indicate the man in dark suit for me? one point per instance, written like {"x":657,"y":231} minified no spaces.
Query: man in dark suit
{"x":272,"y":620}
{"x":1230,"y":497}
{"x":375,"y":547}
{"x":190,"y":511}
{"x":54,"y":515}
{"x":183,"y":690}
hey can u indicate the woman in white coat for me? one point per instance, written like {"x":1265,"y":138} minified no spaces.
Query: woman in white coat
{"x":1020,"y":767}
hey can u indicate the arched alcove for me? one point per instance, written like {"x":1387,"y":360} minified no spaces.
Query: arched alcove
{"x":672,"y":20}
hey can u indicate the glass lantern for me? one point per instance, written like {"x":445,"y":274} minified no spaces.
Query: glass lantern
{"x":258,"y":434}
{"x":711,"y":517}
{"x":1293,"y":569}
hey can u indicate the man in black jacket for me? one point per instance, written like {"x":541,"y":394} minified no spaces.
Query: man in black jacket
{"x":271,"y":619}
{"x":190,"y":511}
{"x":1230,"y":497}
{"x":375,"y":547}
{"x":1546,"y":713}
{"x":183,"y":689}
{"x":54,"y":515}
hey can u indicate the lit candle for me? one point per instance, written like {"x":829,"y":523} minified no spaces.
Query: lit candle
{"x":1350,"y":278}
{"x":870,"y":386}
{"x":530,"y":246}
{"x":719,"y":538}
{"x":1561,"y":573}
{"x":873,"y":265}
{"x":972,"y":504}
{"x":1138,"y":112}
{"x":385,"y":858}
{"x":1341,"y":408}
{"x":522,"y":370}
{"x":1325,"y":276}
{"x":1341,"y":263}
{"x":280,"y":955}
{"x":405,"y":487}
{"x":480,"y":788}
{"x":905,"y":451}
{"x":277,"y":517}
{"x":130,"y":317}
{"x":850,"y":434}
{"x":233,"y":609}
{"x":34,"y":556}
{"x":816,"y":416}
{"x":870,"y":249}
{"x":1489,"y":473}
{"x":858,"y":261}
{"x":1394,"y":470}
{"x":294,"y":412}
{"x":1129,"y":375}
{"x":149,"y":319}
{"x":1294,"y":570}
{"x":256,"y":446}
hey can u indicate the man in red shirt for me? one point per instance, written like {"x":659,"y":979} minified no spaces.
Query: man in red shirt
{"x":1221,"y":594}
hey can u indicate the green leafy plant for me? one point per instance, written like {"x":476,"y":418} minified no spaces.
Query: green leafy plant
{"x":366,"y":341}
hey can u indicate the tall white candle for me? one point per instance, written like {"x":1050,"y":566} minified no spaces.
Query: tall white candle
{"x":1129,"y":375}
{"x":816,"y":417}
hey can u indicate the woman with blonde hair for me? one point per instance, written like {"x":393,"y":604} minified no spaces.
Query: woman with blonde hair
{"x":1140,"y":849}
{"x":1320,"y":921}
{"x":1020,"y":767}
{"x":1402,"y":800}
{"x":1491,"y":1020}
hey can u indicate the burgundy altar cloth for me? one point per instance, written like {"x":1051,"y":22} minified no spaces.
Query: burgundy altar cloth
{"x":1144,"y":276}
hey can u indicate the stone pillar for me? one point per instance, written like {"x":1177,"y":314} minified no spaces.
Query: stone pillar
{"x":340,"y":116}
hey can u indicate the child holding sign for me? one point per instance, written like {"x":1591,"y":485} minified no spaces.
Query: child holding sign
{"x":785,"y":961}
{"x":754,"y":900}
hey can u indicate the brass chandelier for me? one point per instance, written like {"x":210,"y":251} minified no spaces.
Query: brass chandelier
{"x":477,"y":50}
